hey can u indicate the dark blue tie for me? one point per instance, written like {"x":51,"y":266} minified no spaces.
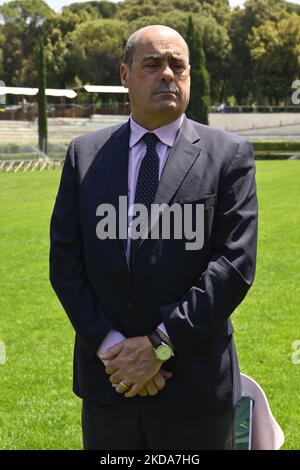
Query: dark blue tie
{"x":146,"y":186}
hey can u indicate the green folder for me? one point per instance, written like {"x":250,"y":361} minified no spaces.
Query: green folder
{"x":243,"y":423}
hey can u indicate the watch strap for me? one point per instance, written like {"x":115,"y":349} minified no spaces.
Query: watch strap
{"x":155,"y":339}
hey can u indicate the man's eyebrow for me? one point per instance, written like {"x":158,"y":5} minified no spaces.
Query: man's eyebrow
{"x":160,"y":57}
{"x":152,"y":56}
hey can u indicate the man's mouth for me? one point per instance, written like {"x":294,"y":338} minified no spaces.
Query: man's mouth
{"x":166,"y":91}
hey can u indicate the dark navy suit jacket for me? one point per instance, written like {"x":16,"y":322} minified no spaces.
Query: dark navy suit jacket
{"x":192,"y":292}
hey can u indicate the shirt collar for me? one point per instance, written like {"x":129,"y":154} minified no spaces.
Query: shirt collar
{"x":166,"y":134}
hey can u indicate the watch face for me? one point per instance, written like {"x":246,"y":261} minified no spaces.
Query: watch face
{"x":164,"y":352}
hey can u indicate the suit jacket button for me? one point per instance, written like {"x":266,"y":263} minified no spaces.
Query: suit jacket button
{"x":129,"y":306}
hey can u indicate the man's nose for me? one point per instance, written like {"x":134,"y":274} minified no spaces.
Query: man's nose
{"x":167,"y":73}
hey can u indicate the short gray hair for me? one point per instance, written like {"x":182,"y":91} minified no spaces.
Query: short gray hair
{"x":129,"y":49}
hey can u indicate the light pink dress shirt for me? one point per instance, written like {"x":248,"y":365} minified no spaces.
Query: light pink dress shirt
{"x":137,"y":150}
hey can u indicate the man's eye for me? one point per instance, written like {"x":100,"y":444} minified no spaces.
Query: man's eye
{"x":179,"y":66}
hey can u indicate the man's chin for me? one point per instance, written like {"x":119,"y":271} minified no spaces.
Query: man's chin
{"x":167,"y":104}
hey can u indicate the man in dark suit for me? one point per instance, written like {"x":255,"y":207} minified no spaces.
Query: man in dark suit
{"x":155,"y":361}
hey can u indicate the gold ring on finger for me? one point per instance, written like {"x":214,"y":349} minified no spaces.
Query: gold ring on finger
{"x":123,"y":384}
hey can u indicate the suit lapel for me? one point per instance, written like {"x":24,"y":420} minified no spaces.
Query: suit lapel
{"x":182,"y":156}
{"x":116,"y":169}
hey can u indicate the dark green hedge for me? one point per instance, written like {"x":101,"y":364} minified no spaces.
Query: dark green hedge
{"x":278,"y":146}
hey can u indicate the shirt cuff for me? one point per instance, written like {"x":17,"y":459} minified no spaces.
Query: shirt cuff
{"x":112,"y":338}
{"x":162,"y":328}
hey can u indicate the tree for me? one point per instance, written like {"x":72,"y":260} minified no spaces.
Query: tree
{"x":242,"y":76}
{"x":199,"y":99}
{"x":94,"y":9}
{"x":59,"y":46}
{"x":1,"y":52}
{"x":96,"y":50}
{"x":292,"y":8}
{"x":131,"y":10}
{"x":21,"y":32}
{"x":42,"y":101}
{"x":275,"y":52}
{"x":218,"y":9}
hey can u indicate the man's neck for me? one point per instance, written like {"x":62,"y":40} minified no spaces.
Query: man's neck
{"x":151,"y":125}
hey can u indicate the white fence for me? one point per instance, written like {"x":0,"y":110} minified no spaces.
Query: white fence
{"x":40,"y":164}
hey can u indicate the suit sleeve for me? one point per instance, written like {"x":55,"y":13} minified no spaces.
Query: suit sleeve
{"x":231,"y":269}
{"x":68,"y":274}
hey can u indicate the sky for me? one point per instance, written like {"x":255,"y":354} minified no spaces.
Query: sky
{"x":58,"y":4}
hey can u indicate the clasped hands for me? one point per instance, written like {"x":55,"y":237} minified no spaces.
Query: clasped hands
{"x":133,"y":362}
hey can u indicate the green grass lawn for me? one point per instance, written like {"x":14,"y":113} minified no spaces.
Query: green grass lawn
{"x":37,"y":407}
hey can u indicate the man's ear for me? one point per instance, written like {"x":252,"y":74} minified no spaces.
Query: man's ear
{"x":124,"y":72}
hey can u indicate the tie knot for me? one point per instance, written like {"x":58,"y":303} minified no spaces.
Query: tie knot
{"x":150,"y":139}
